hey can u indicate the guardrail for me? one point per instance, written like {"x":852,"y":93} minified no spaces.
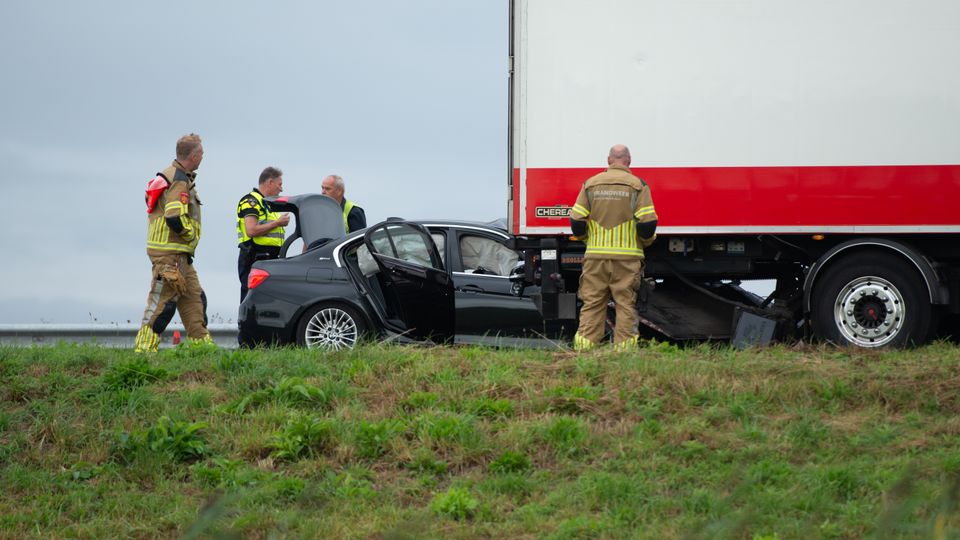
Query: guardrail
{"x":224,"y":335}
{"x":107,"y":335}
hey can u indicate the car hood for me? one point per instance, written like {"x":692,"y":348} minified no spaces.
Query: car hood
{"x":319,"y":218}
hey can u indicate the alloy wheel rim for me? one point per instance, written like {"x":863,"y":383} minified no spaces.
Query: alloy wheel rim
{"x":869,"y":311}
{"x":332,"y":329}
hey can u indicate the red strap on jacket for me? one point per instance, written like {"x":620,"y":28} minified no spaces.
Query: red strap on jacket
{"x":155,"y":188}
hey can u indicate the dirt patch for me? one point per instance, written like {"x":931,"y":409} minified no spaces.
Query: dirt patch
{"x":196,"y":376}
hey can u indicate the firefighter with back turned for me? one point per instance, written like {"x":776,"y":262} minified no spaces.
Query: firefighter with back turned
{"x":615,"y":218}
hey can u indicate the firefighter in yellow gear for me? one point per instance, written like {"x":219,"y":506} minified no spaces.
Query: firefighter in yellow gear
{"x":259,"y":229}
{"x":173,"y":231}
{"x":615,"y":217}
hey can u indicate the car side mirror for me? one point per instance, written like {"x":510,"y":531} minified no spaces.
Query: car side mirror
{"x":518,"y":280}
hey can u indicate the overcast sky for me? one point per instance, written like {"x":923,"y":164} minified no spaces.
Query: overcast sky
{"x":406,"y":100}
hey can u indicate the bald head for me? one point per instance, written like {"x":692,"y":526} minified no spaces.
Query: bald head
{"x":619,"y":155}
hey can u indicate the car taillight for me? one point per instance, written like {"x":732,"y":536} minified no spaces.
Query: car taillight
{"x":257,"y":277}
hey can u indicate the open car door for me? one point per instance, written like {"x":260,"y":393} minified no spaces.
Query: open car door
{"x":417,"y":289}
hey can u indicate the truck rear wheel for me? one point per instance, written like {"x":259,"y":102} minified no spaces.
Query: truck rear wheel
{"x":880,"y":303}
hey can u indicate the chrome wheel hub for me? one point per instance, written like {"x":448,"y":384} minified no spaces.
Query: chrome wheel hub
{"x":869,"y":311}
{"x":332,"y":329}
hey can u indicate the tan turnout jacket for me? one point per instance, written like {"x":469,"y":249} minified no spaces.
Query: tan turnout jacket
{"x":612,"y":203}
{"x":179,"y":201}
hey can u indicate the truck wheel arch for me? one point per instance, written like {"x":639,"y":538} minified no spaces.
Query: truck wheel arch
{"x":935,"y":288}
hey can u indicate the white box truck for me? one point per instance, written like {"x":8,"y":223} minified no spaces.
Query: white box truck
{"x":814,"y":143}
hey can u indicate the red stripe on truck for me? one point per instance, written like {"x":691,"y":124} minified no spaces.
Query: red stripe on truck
{"x":756,"y":197}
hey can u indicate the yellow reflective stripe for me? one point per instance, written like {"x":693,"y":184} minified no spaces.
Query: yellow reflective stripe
{"x":645,"y":211}
{"x":581,"y":343}
{"x":627,"y":344}
{"x":598,"y":249}
{"x":153,"y":230}
{"x":146,"y":341}
{"x":158,"y":234}
{"x":623,"y":235}
{"x":269,"y":242}
{"x":205,"y":339}
{"x":580,"y":210}
{"x":175,"y":205}
{"x":608,"y":250}
{"x":184,"y":248}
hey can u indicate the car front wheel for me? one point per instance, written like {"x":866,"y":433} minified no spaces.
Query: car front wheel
{"x":331,"y":327}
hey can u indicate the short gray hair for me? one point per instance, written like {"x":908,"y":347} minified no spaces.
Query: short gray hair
{"x":337,"y":180}
{"x":270,"y":173}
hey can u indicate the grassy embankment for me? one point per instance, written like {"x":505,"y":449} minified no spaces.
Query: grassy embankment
{"x":398,"y":442}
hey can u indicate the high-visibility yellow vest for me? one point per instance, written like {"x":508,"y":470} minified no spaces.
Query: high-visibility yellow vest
{"x":273,"y":238}
{"x":347,"y":207}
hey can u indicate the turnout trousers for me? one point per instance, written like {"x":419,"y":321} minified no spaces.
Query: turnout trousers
{"x":599,"y":280}
{"x":174,"y":286}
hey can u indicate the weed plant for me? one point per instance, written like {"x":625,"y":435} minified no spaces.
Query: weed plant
{"x":289,"y":391}
{"x":178,"y":441}
{"x":303,"y":435}
{"x":456,"y":503}
{"x":132,"y":373}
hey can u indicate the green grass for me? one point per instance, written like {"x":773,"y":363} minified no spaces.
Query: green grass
{"x":408,"y":442}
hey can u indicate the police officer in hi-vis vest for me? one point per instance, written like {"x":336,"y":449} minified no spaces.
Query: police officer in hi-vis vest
{"x":615,"y":218}
{"x":353,"y":217}
{"x":173,"y":232}
{"x":259,"y":230}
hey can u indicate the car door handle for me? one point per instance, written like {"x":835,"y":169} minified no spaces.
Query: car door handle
{"x":471,"y":289}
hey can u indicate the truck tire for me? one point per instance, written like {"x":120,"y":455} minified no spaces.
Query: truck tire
{"x":880,"y":303}
{"x":331,"y":327}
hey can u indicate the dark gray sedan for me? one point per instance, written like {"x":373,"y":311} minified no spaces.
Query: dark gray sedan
{"x":422,"y":281}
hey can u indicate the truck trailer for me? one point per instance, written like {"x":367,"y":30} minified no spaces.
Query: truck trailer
{"x":815,"y":144}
